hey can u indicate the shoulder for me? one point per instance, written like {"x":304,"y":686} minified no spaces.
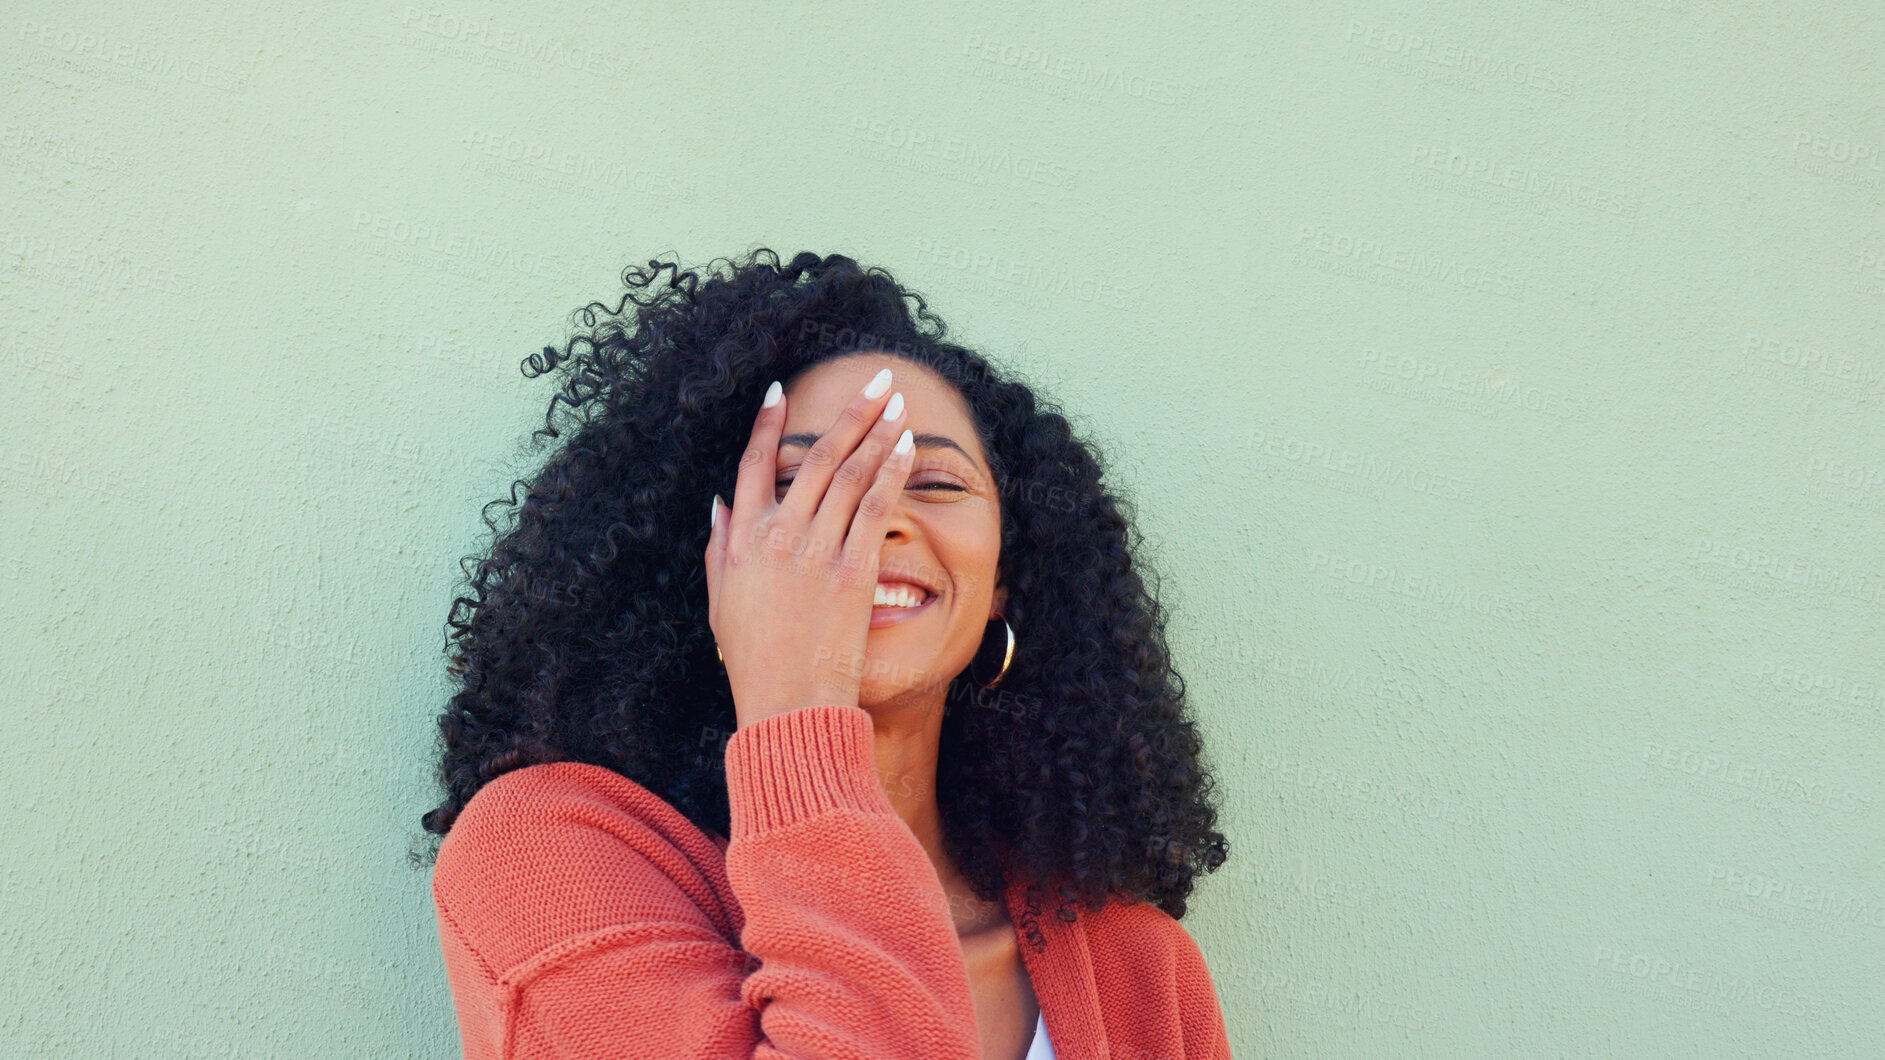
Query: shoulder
{"x":552,"y":852}
{"x":1140,"y":942}
{"x":515,"y":811}
{"x":1146,"y":962}
{"x":1138,"y":925}
{"x":552,"y":787}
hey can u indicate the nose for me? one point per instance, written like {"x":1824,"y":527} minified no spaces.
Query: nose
{"x":901,"y":527}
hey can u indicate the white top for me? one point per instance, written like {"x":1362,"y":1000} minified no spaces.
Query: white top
{"x":1039,"y":1049}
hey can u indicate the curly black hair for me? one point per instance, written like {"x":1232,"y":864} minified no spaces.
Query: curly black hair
{"x":587,"y":639}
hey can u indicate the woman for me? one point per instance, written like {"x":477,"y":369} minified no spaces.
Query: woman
{"x":886,"y":759}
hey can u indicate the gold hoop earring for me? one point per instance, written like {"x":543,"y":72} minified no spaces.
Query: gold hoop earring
{"x":1006,"y":658}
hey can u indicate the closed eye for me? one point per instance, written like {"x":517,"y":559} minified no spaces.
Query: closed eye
{"x":784,"y":482}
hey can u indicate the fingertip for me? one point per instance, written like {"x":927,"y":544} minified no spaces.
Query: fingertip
{"x":774,"y":394}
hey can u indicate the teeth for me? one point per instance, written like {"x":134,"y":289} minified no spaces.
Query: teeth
{"x":898,"y":597}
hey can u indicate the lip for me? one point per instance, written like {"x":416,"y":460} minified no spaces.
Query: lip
{"x":906,"y":577}
{"x":890,"y":616}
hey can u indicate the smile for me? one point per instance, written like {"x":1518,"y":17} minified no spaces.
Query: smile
{"x":892,"y":603}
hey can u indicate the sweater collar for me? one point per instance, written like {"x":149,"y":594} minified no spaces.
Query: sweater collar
{"x":1060,"y":967}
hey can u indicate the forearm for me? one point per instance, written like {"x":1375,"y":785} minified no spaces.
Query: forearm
{"x":842,"y":904}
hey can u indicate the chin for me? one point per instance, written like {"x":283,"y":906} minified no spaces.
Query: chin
{"x":910,"y":684}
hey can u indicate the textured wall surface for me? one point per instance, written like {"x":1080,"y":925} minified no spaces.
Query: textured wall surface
{"x":1502,"y":387}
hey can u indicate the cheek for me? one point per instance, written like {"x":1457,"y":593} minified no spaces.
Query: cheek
{"x":971,"y":562}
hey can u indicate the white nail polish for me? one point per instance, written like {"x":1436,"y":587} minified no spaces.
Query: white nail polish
{"x":878,"y":384}
{"x":904,"y":442}
{"x":895,"y":408}
{"x":772,"y":395}
{"x":713,"y":517}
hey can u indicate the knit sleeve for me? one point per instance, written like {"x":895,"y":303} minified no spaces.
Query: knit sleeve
{"x":859,"y":956}
{"x":574,"y":932}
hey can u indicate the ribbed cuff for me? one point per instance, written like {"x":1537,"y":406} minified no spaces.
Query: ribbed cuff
{"x":798,"y":764}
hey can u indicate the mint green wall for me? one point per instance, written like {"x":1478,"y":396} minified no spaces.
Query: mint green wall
{"x":1502,"y":386}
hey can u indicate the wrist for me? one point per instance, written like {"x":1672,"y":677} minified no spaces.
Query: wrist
{"x":754,"y":710}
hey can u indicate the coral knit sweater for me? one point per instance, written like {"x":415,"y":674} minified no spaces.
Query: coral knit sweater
{"x":581,"y":916}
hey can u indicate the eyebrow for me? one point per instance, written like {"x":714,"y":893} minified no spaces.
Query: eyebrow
{"x":921,"y":441}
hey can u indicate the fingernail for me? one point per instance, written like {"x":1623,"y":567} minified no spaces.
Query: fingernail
{"x":772,"y":395}
{"x":713,"y":517}
{"x":878,"y":384}
{"x":895,"y":408}
{"x":904,"y":441}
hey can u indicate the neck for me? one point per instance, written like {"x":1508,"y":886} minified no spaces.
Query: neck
{"x":908,"y":732}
